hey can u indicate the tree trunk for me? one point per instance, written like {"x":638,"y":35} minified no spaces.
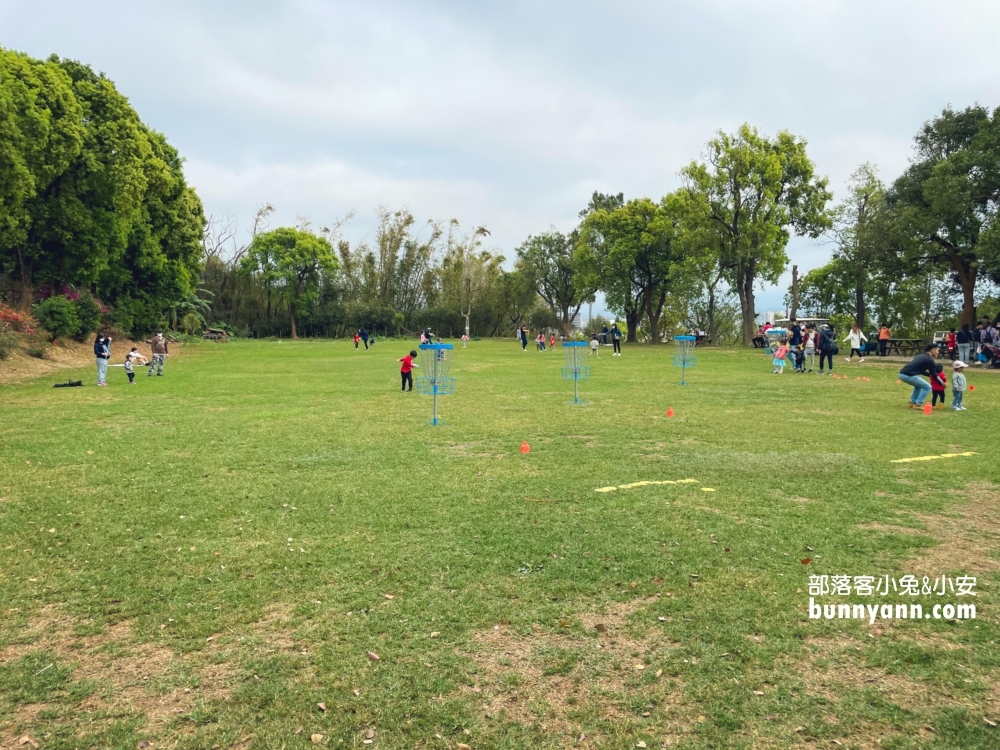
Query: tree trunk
{"x":291,"y":317}
{"x":966,"y":278}
{"x":26,"y":291}
{"x":859,"y":303}
{"x":794,"y":311}
{"x":654,"y":311}
{"x":744,"y":285}
{"x":632,"y":323}
{"x":713,"y":334}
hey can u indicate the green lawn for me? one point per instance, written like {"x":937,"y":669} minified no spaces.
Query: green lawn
{"x":202,"y":558}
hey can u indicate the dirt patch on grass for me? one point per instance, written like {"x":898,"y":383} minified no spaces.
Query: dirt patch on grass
{"x":125,"y":678}
{"x":592,"y":669}
{"x":966,"y":536}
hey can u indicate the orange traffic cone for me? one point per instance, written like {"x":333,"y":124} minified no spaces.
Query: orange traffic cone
{"x":525,"y":448}
{"x":670,"y":411}
{"x":858,"y":377}
{"x":972,"y":387}
{"x":898,"y":381}
{"x":928,"y":409}
{"x":866,"y":379}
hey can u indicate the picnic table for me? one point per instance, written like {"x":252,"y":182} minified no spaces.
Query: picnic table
{"x":904,"y":347}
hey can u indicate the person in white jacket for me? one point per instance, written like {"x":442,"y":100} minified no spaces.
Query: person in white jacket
{"x":855,"y":336}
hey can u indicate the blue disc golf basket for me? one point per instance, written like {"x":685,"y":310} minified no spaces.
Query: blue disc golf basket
{"x":574,"y":369}
{"x":435,"y":381}
{"x":684,"y":358}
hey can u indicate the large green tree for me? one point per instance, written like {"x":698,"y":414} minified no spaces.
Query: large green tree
{"x":755,"y":191}
{"x":548,"y":261}
{"x":949,"y":198}
{"x":626,"y":251}
{"x":293,"y":262}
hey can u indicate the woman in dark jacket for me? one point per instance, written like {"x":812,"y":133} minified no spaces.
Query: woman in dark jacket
{"x":827,"y":347}
{"x":102,"y":353}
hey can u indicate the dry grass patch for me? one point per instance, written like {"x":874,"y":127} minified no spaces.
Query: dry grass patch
{"x":965,"y":538}
{"x":566,"y":682}
{"x":130,"y":679}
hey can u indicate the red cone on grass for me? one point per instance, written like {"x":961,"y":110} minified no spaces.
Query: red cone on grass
{"x":858,"y":377}
{"x":525,"y":448}
{"x":928,"y":409}
{"x":972,"y":387}
{"x":670,"y":411}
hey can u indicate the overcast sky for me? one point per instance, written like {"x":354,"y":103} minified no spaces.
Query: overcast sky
{"x":510,"y":114}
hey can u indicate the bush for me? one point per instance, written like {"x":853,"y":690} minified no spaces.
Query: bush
{"x":118,"y":321}
{"x":57,"y":315}
{"x":11,"y":319}
{"x":36,"y":346}
{"x":88,"y":312}
{"x":8,"y":343}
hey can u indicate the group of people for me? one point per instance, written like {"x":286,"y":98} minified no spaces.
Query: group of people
{"x":802,"y":345}
{"x":926,"y":364}
{"x":159,"y":349}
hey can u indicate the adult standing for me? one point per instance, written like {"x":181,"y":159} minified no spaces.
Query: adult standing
{"x":160,"y":349}
{"x":524,"y":339}
{"x":922,"y":364}
{"x":855,"y":336}
{"x":364,"y":337}
{"x":827,"y":346}
{"x":616,"y":340}
{"x":964,"y":339}
{"x":884,"y":334}
{"x":102,"y":353}
{"x":810,"y":343}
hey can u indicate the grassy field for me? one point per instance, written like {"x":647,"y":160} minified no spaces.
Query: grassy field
{"x":269,"y":548}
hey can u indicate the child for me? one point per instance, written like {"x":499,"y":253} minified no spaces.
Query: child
{"x":779,"y":357}
{"x":371,"y":341}
{"x":540,"y":342}
{"x":552,"y":341}
{"x":594,"y":344}
{"x":938,"y":383}
{"x":465,"y":339}
{"x":406,"y":371}
{"x":958,"y":385}
{"x":357,"y":339}
{"x":129,"y":370}
{"x":952,"y":342}
{"x":137,"y":356}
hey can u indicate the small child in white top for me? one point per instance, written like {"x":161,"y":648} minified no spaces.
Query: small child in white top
{"x":958,"y":385}
{"x":465,"y":340}
{"x":595,"y":348}
{"x":129,"y":370}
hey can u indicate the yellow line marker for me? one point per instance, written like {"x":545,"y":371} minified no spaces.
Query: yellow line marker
{"x":648,"y":482}
{"x":707,"y":489}
{"x":932,"y":458}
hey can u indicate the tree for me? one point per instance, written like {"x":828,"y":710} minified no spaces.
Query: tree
{"x":292,"y":261}
{"x":547,"y":260}
{"x":949,"y":198}
{"x":754,"y":191}
{"x":625,"y":250}
{"x":861,"y":230}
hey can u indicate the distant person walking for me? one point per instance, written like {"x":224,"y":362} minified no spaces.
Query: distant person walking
{"x":524,"y":339}
{"x":855,"y":336}
{"x":102,"y":353}
{"x":922,"y":364}
{"x":884,"y":334}
{"x":160,"y":349}
{"x":616,"y":340}
{"x":364,"y":337}
{"x":827,"y":346}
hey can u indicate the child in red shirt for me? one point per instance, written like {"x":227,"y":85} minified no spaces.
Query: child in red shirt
{"x":552,"y":341}
{"x":938,"y":383}
{"x":406,"y":370}
{"x":357,"y":340}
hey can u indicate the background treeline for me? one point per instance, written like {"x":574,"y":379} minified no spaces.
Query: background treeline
{"x":98,"y":224}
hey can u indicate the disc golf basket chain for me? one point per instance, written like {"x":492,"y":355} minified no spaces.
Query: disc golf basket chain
{"x":574,"y":369}
{"x":434,"y":380}
{"x":684,"y":358}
